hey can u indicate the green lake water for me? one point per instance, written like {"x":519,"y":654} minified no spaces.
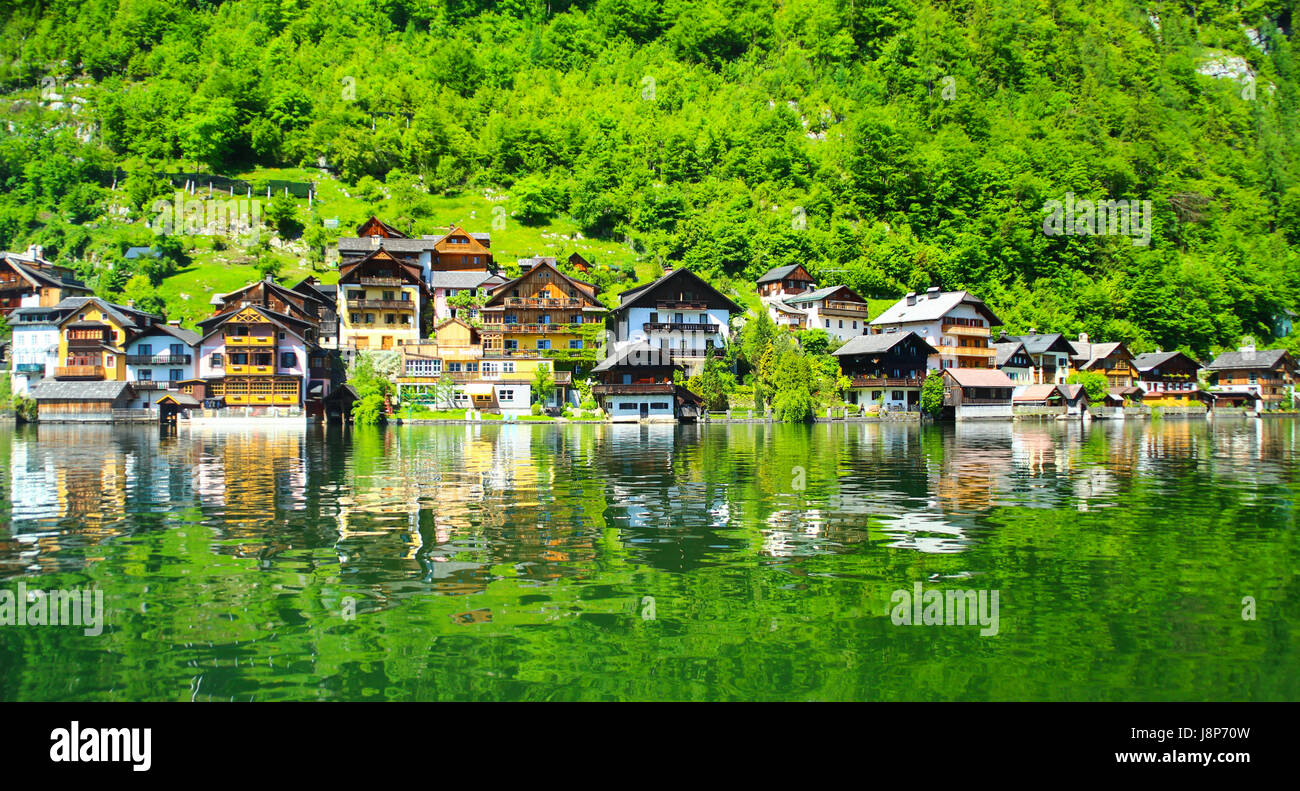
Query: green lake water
{"x":740,"y":562}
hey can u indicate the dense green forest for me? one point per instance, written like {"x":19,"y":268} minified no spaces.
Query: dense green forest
{"x":887,"y":144}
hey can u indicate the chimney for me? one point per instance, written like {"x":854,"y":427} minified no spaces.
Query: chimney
{"x":1247,"y":346}
{"x":1083,"y":337}
{"x":1033,"y":330}
{"x":175,"y":322}
{"x":911,"y":297}
{"x":130,"y":303}
{"x":932,"y":292}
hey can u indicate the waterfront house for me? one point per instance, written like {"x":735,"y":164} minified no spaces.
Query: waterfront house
{"x":31,"y":281}
{"x":636,"y":383}
{"x":1266,"y":375}
{"x":254,"y":358}
{"x":1037,"y":395}
{"x":158,"y":359}
{"x":1168,"y":378}
{"x":34,"y":352}
{"x":836,"y":309}
{"x":451,"y":371}
{"x":1050,"y":353}
{"x":93,"y":339}
{"x":678,"y":312}
{"x":956,"y":323}
{"x":543,"y":314}
{"x":88,"y":400}
{"x":1111,"y":359}
{"x":384,"y":302}
{"x":887,"y":369}
{"x":1013,"y":360}
{"x":308,"y":305}
{"x":977,"y":392}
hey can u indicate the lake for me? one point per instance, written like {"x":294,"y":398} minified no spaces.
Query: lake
{"x":710,"y":562}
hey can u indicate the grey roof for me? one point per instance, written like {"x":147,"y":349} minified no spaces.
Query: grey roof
{"x":877,"y":344}
{"x":1006,"y":350}
{"x":1261,"y":358}
{"x":462,"y":279}
{"x":188,"y":337}
{"x":931,"y":306}
{"x":1038,"y":343}
{"x":54,"y":390}
{"x":366,"y":245}
{"x":1091,"y":352}
{"x":1145,"y":362}
{"x":42,"y":271}
{"x":182,"y":399}
{"x":778,"y":274}
{"x":631,"y":295}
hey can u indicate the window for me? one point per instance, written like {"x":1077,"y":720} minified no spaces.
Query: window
{"x":177,"y":350}
{"x":454,"y":367}
{"x":841,"y":323}
{"x":417,"y":367}
{"x":855,"y":325}
{"x":512,"y":318}
{"x":145,"y":375}
{"x":144,"y":350}
{"x":629,"y":407}
{"x":575,"y":344}
{"x":543,"y":343}
{"x":828,"y":324}
{"x":512,"y":344}
{"x":505,"y":395}
{"x":175,"y":374}
{"x":471,"y":367}
{"x":507,"y":367}
{"x":354,"y":318}
{"x":390,"y":318}
{"x":216,"y":360}
{"x":659,"y":405}
{"x":388,"y":296}
{"x":370,"y":318}
{"x":288,"y":360}
{"x":654,"y":317}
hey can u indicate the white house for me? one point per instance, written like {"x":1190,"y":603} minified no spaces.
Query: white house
{"x":680,"y":313}
{"x":160,"y":358}
{"x":34,"y":350}
{"x":956,"y":323}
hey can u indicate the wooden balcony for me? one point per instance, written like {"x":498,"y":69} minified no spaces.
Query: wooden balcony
{"x":254,"y":370}
{"x":149,"y":384}
{"x":967,"y":351}
{"x":158,"y":359}
{"x":962,"y":329}
{"x":542,"y":302}
{"x":536,"y":328}
{"x":636,"y":388}
{"x":682,"y":306}
{"x":396,"y":282}
{"x":79,"y":372}
{"x":682,"y":326}
{"x":249,"y":340}
{"x":840,"y":306}
{"x":884,"y":382}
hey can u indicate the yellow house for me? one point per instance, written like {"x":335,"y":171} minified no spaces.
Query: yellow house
{"x":93,"y":338}
{"x":452,"y":372}
{"x":543,"y":314}
{"x":382,"y":302}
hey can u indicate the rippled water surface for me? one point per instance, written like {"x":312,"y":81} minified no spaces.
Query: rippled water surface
{"x":656,"y":562}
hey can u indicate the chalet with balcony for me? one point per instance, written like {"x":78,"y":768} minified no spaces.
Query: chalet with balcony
{"x":1168,"y":379}
{"x":93,"y":339}
{"x":679,"y":312}
{"x":1111,"y":359}
{"x":836,"y":309}
{"x":256,"y":359}
{"x":974,"y":393}
{"x":636,"y":383}
{"x":159,"y":359}
{"x":956,"y":323}
{"x":785,"y":281}
{"x":543,"y":314}
{"x":30,"y":281}
{"x":1266,"y":375}
{"x":35,"y":332}
{"x":451,"y":372}
{"x":385,"y":303}
{"x":1050,"y":353}
{"x":887,"y":369}
{"x":307,"y":305}
{"x":1013,"y":360}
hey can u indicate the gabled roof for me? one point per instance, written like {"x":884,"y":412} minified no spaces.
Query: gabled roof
{"x":213,"y":324}
{"x":1036,"y":393}
{"x":464,"y":279}
{"x":377,"y":227}
{"x":188,"y":337}
{"x":631,"y":296}
{"x":1071,"y":392}
{"x":284,"y":292}
{"x":1005,"y":351}
{"x":1040,"y":343}
{"x":780,"y":273}
{"x":1092,"y":353}
{"x":1145,"y":362}
{"x":42,"y":273}
{"x":128,"y":318}
{"x":820,"y":294}
{"x":879,"y":344}
{"x":1259,"y":359}
{"x":179,"y":399}
{"x":979,"y":377}
{"x":381,"y":256}
{"x":499,"y":292}
{"x":934,"y":305}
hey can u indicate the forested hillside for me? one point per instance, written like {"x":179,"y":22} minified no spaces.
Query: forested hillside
{"x":887,"y":144}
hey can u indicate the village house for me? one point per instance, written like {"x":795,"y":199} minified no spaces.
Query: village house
{"x":450,"y":371}
{"x":678,"y":312}
{"x":974,"y":393}
{"x":636,"y":383}
{"x":888,"y":369}
{"x":1013,"y":360}
{"x":1112,"y":360}
{"x":545,"y":314}
{"x":1070,"y":399}
{"x":1050,"y":353}
{"x":256,"y":359}
{"x":1266,"y":375}
{"x":476,"y":285}
{"x":956,"y":323}
{"x":31,"y":281}
{"x":158,"y":359}
{"x":327,"y":329}
{"x":307,"y":304}
{"x":1168,"y":379}
{"x":34,"y":352}
{"x":384,"y":303}
{"x":794,"y":301}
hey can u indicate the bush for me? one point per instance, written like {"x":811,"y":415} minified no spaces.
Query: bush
{"x":932,"y":394}
{"x":369,"y":411}
{"x":25,"y":408}
{"x":536,"y":408}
